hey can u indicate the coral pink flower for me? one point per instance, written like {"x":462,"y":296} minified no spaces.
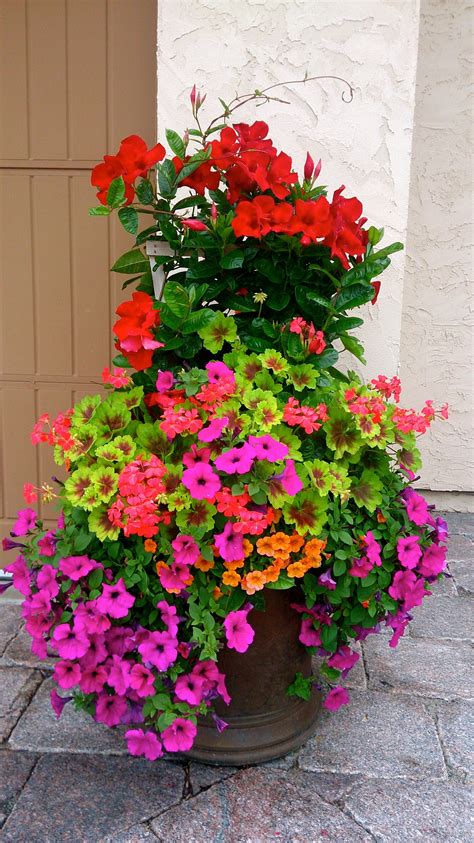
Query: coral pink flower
{"x":190,"y":688}
{"x":268,"y":448}
{"x":229,"y":544}
{"x":66,"y":674}
{"x":76,"y":567}
{"x":238,"y":632}
{"x":213,"y":430}
{"x":110,"y":709}
{"x":115,"y":600}
{"x":201,"y":481}
{"x":30,"y":494}
{"x":337,"y":696}
{"x":118,"y":378}
{"x":144,"y":743}
{"x":409,"y":551}
{"x":179,"y":737}
{"x":160,"y":649}
{"x":25,"y":522}
{"x":119,"y":675}
{"x":93,"y":679}
{"x":433,"y":561}
{"x":309,"y":636}
{"x":142,"y":680}
{"x":236,"y":460}
{"x":186,"y":550}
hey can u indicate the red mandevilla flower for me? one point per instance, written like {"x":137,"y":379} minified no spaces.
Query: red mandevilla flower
{"x":133,"y":330}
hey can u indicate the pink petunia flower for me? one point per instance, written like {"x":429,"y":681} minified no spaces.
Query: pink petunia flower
{"x":144,"y":743}
{"x":58,"y":703}
{"x":119,"y":675}
{"x":201,"y":481}
{"x":109,"y":709}
{"x":337,"y":696}
{"x":408,"y":589}
{"x":21,"y":575}
{"x":186,"y":550}
{"x":115,"y":600}
{"x":76,"y":567}
{"x":142,"y":680}
{"x":70,"y":643}
{"x":160,"y":649}
{"x":179,"y":737}
{"x":97,"y":651}
{"x":238,"y":632}
{"x":196,"y":456}
{"x":344,"y":659}
{"x":25,"y":522}
{"x":236,"y":460}
{"x":309,"y":636}
{"x":268,"y":448}
{"x":289,"y":479}
{"x":87,"y":617}
{"x":327,"y":580}
{"x":164,"y":381}
{"x":229,"y":544}
{"x":174,"y":578}
{"x":213,"y":430}
{"x":66,"y":674}
{"x":417,"y":507}
{"x":218,"y":371}
{"x":169,"y":616}
{"x":46,"y":580}
{"x":409,"y":551}
{"x":372,"y":549}
{"x":433,"y":561}
{"x":190,"y":688}
{"x":93,"y":679}
{"x":47,"y":544}
{"x":360,"y":567}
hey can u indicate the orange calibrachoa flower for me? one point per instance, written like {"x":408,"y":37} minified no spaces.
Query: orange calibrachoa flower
{"x":314,"y":548}
{"x":231,"y":578}
{"x":204,"y":564}
{"x":217,"y":593}
{"x":296,"y":542}
{"x":232,"y":566}
{"x":278,"y":544}
{"x":149,"y":545}
{"x":254,"y":581}
{"x":297,"y":569}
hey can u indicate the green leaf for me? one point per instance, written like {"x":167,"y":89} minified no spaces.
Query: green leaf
{"x":100,"y":211}
{"x":145,"y":192}
{"x":353,"y":345}
{"x":302,"y":686}
{"x":323,"y":361}
{"x":339,"y":567}
{"x":177,"y":299}
{"x":354,"y":295}
{"x":131,"y":263}
{"x":82,"y":541}
{"x":175,"y":143}
{"x":95,"y":578}
{"x":116,"y":193}
{"x":197,"y":320}
{"x":233,"y":260}
{"x":190,"y":202}
{"x":305,"y":294}
{"x":193,"y":164}
{"x":166,"y":177}
{"x":129,"y":219}
{"x":383,"y":253}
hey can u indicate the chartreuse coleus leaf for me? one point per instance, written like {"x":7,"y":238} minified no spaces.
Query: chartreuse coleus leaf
{"x":219,"y":330}
{"x":366,"y":490}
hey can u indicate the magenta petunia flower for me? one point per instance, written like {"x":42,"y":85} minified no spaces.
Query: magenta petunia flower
{"x":309,"y":636}
{"x":119,"y":675}
{"x":268,"y":448}
{"x":337,"y":696}
{"x":109,"y":709}
{"x":144,"y":743}
{"x":160,"y":649}
{"x":87,"y":617}
{"x":186,"y":550}
{"x":97,"y":651}
{"x":289,"y":479}
{"x":238,"y":632}
{"x":76,"y":567}
{"x":142,"y":680}
{"x":344,"y":659}
{"x":213,"y":430}
{"x":236,"y":460}
{"x":407,"y":588}
{"x":174,"y":578}
{"x":66,"y":674}
{"x":327,"y":580}
{"x":21,"y":575}
{"x":25,"y":522}
{"x":229,"y":544}
{"x":179,"y":737}
{"x":93,"y":679}
{"x":433,"y":561}
{"x":46,"y":580}
{"x":201,"y":481}
{"x":372,"y":549}
{"x":8,"y":544}
{"x":360,"y":567}
{"x":196,"y":456}
{"x":190,"y":688}
{"x":115,"y":600}
{"x":70,"y":643}
{"x":169,"y":616}
{"x":417,"y":507}
{"x":409,"y":551}
{"x":47,"y":544}
{"x":218,"y":371}
{"x":164,"y":381}
{"x":58,"y":703}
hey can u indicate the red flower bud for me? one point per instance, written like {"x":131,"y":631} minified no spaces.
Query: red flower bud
{"x":308,"y":167}
{"x":192,"y":96}
{"x":194,"y":225}
{"x":317,"y":170}
{"x":213,"y":211}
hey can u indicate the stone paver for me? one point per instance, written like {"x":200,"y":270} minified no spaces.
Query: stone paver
{"x":460,"y":523}
{"x":17,"y":686}
{"x":405,"y":812}
{"x":378,"y":735}
{"x":456,"y":730}
{"x":75,"y":731}
{"x":449,"y":618}
{"x":136,"y":834}
{"x":258,"y":806}
{"x":82,"y":799}
{"x":15,"y":767}
{"x":18,"y":652}
{"x":356,"y":678}
{"x":463,"y":573}
{"x":424,"y":667}
{"x":10,"y":620}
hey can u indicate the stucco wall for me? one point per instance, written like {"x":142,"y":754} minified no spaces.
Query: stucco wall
{"x":436,"y":343}
{"x":224,"y":46}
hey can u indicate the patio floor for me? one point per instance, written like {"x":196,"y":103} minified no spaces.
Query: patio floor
{"x":394,"y":766}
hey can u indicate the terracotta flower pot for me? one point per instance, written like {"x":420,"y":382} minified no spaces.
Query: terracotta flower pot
{"x":264,"y":723}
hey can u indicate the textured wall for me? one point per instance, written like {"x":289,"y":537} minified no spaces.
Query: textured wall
{"x":436,"y":348}
{"x":229,"y":45}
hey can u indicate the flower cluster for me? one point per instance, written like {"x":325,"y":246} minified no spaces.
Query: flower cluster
{"x":235,"y":458}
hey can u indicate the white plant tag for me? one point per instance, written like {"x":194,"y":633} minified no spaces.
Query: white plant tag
{"x":154,"y":248}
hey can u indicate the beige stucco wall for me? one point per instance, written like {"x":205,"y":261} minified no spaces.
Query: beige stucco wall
{"x":436,"y":341}
{"x":226,"y":46}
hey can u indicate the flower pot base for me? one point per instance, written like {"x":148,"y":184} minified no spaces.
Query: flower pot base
{"x":255,"y":739}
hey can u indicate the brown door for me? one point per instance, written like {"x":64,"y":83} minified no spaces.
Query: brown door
{"x":76,"y":76}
